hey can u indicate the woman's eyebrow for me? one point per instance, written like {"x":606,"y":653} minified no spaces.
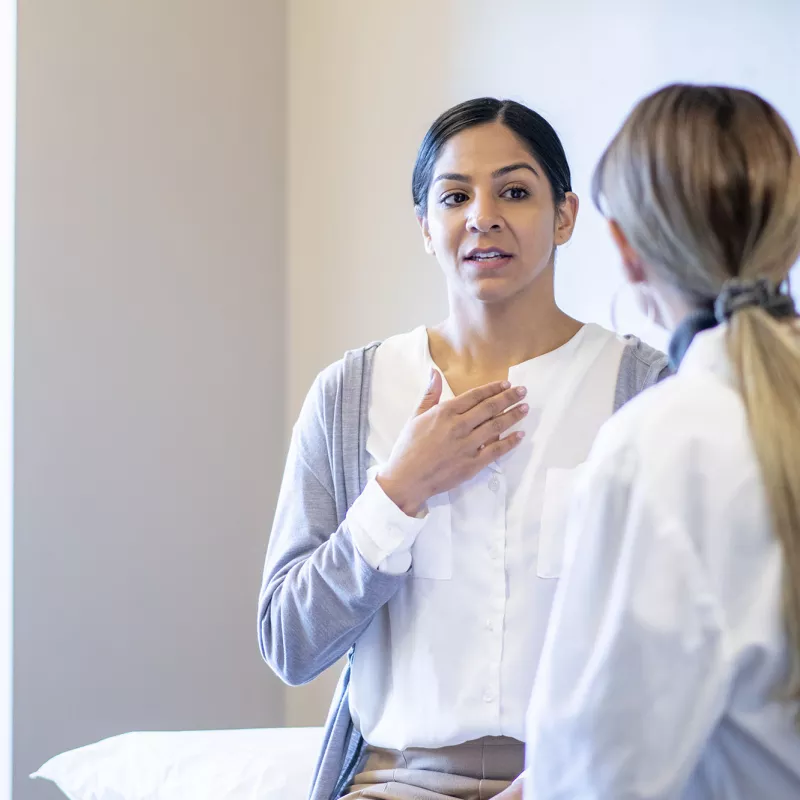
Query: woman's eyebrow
{"x":512,"y":168}
{"x":460,"y":177}
{"x":452,"y":176}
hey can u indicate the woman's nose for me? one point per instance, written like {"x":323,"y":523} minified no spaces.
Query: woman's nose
{"x":484,"y":216}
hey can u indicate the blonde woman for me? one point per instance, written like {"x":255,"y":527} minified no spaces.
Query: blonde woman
{"x":671,"y":667}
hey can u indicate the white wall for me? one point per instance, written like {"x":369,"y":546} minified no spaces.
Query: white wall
{"x":149,"y":358}
{"x":8,"y":59}
{"x":366,"y":79}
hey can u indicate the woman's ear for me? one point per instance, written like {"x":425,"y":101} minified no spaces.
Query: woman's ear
{"x":422,"y":220}
{"x":566,"y":216}
{"x":631,"y":261}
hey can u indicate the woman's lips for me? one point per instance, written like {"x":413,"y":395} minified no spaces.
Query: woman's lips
{"x":493,"y":262}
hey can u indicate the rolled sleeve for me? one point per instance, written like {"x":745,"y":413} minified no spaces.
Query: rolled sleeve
{"x":382,"y":533}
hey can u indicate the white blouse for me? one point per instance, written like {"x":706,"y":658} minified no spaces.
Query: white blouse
{"x":667,"y":651}
{"x":451,"y":657}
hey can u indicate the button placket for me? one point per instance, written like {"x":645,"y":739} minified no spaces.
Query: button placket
{"x":496,"y":601}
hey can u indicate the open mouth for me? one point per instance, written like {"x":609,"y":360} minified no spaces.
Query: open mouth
{"x":488,"y":257}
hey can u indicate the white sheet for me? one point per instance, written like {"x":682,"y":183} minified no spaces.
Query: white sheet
{"x":268,"y":764}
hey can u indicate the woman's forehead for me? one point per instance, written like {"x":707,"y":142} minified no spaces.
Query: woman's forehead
{"x":482,"y":149}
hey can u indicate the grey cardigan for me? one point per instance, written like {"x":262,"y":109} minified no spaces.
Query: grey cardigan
{"x":318,"y":594}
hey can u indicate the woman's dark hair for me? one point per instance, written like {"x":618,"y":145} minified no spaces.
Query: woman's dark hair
{"x":533,"y":129}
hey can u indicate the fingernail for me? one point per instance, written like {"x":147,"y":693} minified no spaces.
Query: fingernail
{"x":522,"y":391}
{"x":506,"y":385}
{"x":524,"y":408}
{"x":520,"y":435}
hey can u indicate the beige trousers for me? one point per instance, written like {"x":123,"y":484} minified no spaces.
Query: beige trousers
{"x":476,"y":770}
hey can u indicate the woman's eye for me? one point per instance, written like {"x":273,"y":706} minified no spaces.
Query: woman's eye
{"x":516,"y":193}
{"x":454,"y":199}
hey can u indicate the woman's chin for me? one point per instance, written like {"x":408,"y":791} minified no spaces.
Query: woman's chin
{"x":494,"y":289}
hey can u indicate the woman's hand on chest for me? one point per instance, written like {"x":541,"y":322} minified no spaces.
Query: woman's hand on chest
{"x":447,"y":443}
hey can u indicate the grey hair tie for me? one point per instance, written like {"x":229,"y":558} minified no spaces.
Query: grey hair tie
{"x":761,"y":293}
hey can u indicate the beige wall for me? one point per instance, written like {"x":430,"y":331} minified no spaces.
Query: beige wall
{"x":8,"y":61}
{"x":149,"y":357}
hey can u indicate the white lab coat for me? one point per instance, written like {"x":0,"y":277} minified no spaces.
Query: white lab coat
{"x":667,"y":650}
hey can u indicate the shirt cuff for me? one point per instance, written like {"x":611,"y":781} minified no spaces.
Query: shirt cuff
{"x":382,"y":533}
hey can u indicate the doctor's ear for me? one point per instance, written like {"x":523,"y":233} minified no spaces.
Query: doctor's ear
{"x":631,"y":260}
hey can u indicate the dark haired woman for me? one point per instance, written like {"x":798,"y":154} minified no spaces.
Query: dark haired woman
{"x":419,"y":525}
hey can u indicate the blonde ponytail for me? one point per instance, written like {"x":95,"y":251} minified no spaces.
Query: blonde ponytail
{"x":766,"y":355}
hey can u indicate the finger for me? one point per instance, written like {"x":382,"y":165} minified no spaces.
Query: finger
{"x":432,"y":395}
{"x":493,"y":406}
{"x":468,"y":400}
{"x":491,"y":430}
{"x":491,"y":452}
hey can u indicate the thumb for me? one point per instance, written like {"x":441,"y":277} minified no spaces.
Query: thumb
{"x":432,"y":395}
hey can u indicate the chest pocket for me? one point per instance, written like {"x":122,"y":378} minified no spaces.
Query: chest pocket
{"x":559,"y":485}
{"x":432,"y":552}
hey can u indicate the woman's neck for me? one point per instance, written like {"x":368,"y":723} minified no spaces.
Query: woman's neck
{"x":478,"y":342}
